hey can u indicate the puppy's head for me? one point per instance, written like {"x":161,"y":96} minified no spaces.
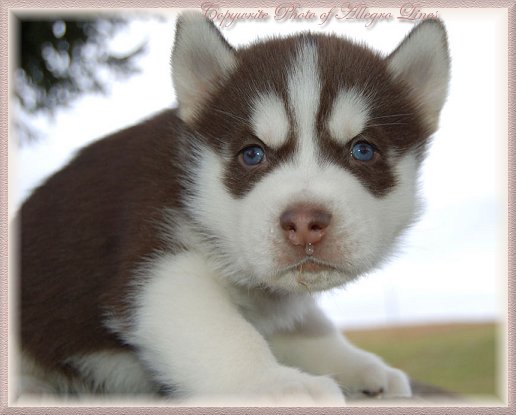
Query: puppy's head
{"x":306,"y":149}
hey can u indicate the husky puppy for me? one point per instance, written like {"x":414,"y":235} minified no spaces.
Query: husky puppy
{"x":179,"y":256}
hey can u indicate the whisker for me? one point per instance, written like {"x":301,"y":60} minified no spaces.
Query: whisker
{"x":235,"y":117}
{"x":389,"y":123}
{"x":391,"y":115}
{"x":301,"y":281}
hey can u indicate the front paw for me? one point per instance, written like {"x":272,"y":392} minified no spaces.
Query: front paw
{"x":373,"y":378}
{"x":291,"y":387}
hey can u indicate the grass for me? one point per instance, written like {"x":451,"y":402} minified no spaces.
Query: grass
{"x":460,"y":358}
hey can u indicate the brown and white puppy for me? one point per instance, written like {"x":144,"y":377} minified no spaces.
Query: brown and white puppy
{"x":179,"y":255}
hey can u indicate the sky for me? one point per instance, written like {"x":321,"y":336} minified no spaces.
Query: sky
{"x":451,"y":266}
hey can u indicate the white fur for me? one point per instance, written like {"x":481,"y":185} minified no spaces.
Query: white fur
{"x":269,"y":120}
{"x":304,"y":90}
{"x":317,"y":347}
{"x":195,"y":361}
{"x":114,"y":372}
{"x":188,"y":329}
{"x":34,"y":380}
{"x":108,"y":372}
{"x":349,"y":115}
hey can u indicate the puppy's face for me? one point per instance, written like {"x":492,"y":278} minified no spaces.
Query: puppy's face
{"x":308,"y":151}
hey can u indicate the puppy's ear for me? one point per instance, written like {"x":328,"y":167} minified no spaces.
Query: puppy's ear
{"x":201,"y":59}
{"x":422,"y":61}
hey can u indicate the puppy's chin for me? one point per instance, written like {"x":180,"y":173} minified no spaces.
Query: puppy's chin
{"x":310,"y":275}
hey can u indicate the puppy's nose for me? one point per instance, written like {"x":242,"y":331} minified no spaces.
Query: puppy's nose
{"x":304,"y":225}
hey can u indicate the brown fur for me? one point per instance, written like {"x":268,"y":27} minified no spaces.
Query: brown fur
{"x":86,"y":229}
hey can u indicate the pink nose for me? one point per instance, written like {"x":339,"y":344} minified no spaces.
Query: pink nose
{"x":304,"y":225}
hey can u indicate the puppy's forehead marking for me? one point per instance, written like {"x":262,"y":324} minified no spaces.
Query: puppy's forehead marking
{"x":304,"y":90}
{"x":269,"y":120}
{"x":349,"y":115}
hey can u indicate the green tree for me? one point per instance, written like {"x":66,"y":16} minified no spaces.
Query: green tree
{"x":60,"y":59}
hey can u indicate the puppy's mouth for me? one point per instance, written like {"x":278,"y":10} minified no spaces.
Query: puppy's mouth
{"x":311,"y":274}
{"x":311,"y":265}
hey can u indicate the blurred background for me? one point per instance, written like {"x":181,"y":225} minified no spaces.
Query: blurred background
{"x":442,"y":297}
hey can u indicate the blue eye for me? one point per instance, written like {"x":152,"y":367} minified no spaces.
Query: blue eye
{"x":252,"y":155}
{"x":363,"y":151}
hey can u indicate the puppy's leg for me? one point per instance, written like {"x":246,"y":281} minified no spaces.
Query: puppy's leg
{"x":117,"y":373}
{"x":317,"y":347}
{"x":195,"y":340}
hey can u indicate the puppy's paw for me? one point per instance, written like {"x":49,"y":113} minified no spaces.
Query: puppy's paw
{"x":286,"y":386}
{"x":371,"y":377}
{"x":381,"y":380}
